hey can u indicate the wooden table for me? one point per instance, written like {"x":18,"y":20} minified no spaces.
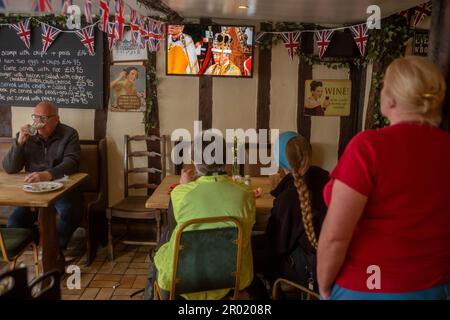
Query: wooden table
{"x":161,"y":197}
{"x":11,"y":194}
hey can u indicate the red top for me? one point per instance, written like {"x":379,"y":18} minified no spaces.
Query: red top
{"x":404,"y":170}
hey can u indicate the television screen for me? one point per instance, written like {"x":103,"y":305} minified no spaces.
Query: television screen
{"x":213,"y":50}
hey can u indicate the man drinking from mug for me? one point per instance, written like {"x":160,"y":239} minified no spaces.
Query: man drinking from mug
{"x":54,"y":151}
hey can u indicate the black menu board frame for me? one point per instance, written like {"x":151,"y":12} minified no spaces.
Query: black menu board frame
{"x":66,"y":74}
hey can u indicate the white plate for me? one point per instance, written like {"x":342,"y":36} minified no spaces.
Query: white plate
{"x":41,"y":187}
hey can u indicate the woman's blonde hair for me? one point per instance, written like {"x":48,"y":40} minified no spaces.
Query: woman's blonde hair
{"x":298,"y":154}
{"x":418,"y":87}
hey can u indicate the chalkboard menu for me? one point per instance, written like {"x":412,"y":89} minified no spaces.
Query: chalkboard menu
{"x":66,"y":75}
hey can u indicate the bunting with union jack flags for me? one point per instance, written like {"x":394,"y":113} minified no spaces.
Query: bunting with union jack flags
{"x":23,"y":31}
{"x":323,"y":39}
{"x":42,"y":6}
{"x":49,"y":34}
{"x":104,"y":14}
{"x":119,"y":19}
{"x":155,"y":34}
{"x":88,"y":11}
{"x":291,"y":41}
{"x":87,"y":38}
{"x":421,"y":12}
{"x":134,"y":26}
{"x":360,"y":36}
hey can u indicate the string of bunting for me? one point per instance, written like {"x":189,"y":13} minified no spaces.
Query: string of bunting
{"x":323,"y":37}
{"x":147,"y":32}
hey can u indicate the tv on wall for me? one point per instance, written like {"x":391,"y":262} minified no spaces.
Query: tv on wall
{"x":210,"y":50}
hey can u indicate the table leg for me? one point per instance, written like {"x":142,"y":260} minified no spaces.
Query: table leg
{"x":52,"y":257}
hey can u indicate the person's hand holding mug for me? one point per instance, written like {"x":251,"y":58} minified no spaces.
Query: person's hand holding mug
{"x":187,"y":175}
{"x":24,"y":134}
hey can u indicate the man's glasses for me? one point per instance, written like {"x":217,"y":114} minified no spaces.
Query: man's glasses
{"x":42,"y":119}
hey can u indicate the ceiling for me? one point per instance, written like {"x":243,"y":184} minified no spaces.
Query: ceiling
{"x":314,"y":11}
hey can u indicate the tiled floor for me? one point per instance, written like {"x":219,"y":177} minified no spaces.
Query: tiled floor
{"x":105,"y":280}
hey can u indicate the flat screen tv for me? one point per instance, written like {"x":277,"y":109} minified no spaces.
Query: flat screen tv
{"x":210,"y":50}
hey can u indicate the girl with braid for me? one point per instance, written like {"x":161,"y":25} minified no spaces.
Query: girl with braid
{"x":288,"y":247}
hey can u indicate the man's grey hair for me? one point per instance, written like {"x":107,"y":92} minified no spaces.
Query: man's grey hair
{"x":218,"y":166}
{"x":53,"y":106}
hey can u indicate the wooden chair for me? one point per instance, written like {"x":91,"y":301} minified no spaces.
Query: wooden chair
{"x":93,"y":161}
{"x":207,"y":259}
{"x":14,"y":241}
{"x":133,"y":207}
{"x":306,"y":294}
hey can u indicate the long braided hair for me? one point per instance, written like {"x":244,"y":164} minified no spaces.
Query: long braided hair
{"x":299,"y":153}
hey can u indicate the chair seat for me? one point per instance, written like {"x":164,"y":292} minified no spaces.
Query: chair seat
{"x":133,"y":207}
{"x":16,"y":239}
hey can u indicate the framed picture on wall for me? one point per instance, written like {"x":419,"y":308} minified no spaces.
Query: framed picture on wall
{"x":327,"y":97}
{"x":127,"y":50}
{"x":127,"y":88}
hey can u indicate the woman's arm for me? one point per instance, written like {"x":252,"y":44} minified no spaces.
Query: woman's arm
{"x":346,"y":208}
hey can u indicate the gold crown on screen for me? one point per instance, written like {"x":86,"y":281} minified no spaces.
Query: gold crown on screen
{"x":222,"y":42}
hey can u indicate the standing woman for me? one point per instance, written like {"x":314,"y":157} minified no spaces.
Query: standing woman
{"x":387,"y":230}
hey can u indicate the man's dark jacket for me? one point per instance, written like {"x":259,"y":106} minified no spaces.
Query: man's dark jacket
{"x":59,"y":155}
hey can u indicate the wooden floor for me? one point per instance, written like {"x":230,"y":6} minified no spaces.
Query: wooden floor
{"x":104,"y":280}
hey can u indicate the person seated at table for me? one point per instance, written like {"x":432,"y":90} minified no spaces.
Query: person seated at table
{"x":288,"y":248}
{"x":50,"y":154}
{"x":207,"y":192}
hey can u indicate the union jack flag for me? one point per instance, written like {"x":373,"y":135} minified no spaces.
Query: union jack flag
{"x":360,"y":36}
{"x":64,"y":5}
{"x":42,"y":6}
{"x":49,"y":35}
{"x":142,"y":32}
{"x":155,"y":34}
{"x":323,"y":39}
{"x":88,"y":11}
{"x":23,"y":31}
{"x":134,"y":25}
{"x":291,"y":41}
{"x":87,"y":38}
{"x":421,"y":12}
{"x":104,"y":13}
{"x":111,"y":34}
{"x":119,"y":19}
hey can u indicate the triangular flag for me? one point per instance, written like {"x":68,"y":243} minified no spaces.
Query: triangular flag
{"x":421,"y":12}
{"x":88,"y":10}
{"x":143,"y":32}
{"x":64,"y":5}
{"x":259,"y":36}
{"x":42,"y":6}
{"x":291,"y":41}
{"x":155,"y":34}
{"x":49,"y":35}
{"x":119,"y":19}
{"x":23,"y":31}
{"x":87,"y":38}
{"x":104,"y":14}
{"x":323,"y":39}
{"x":111,"y":34}
{"x":360,"y":36}
{"x":134,"y":26}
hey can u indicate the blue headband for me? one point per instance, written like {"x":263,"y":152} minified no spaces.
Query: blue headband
{"x":280,"y":148}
